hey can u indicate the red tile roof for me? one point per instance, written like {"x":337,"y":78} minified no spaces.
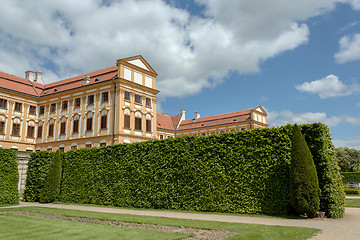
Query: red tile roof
{"x":167,"y":122}
{"x":215,"y":120}
{"x":19,"y":84}
{"x":23,"y":85}
{"x":170,"y":123}
{"x":75,"y":82}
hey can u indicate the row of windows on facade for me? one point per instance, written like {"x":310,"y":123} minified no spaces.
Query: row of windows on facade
{"x":74,"y":147}
{"x":64,"y":104}
{"x":138,"y":98}
{"x":89,"y":126}
{"x":77,"y":103}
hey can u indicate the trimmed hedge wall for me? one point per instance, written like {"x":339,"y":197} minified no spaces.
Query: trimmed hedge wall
{"x":243,"y":172}
{"x":350,"y":177}
{"x":9,"y":177}
{"x":318,"y":138}
{"x":38,"y":168}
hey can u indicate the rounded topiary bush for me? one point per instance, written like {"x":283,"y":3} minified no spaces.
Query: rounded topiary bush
{"x":51,"y":190}
{"x":304,"y":184}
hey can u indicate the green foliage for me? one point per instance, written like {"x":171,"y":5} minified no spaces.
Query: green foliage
{"x":304,"y":185}
{"x":350,"y":177}
{"x":332,"y":200}
{"x":352,"y":191}
{"x":349,"y":159}
{"x":243,"y":172}
{"x":8,"y":177}
{"x":38,"y":168}
{"x":51,"y":190}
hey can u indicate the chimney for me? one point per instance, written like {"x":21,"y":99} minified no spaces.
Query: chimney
{"x":38,"y":77}
{"x":182,"y":112}
{"x":86,"y":80}
{"x":29,"y":75}
{"x":197,"y":115}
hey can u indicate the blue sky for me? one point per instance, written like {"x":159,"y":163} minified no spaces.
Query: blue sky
{"x":298,"y":59}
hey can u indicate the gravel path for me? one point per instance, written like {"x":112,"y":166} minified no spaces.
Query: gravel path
{"x":344,"y":228}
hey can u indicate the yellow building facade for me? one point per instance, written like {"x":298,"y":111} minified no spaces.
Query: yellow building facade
{"x":109,"y":106}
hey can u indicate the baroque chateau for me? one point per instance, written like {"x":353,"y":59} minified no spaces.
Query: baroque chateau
{"x":109,"y":106}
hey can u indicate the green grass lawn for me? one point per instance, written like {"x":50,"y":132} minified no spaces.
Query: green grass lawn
{"x":37,"y":228}
{"x":244,"y":231}
{"x":352,"y":202}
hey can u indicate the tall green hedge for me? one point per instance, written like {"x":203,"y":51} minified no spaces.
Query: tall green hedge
{"x":244,"y":172}
{"x":332,"y":199}
{"x":51,"y":190}
{"x":304,"y":184}
{"x":9,"y":177}
{"x":38,"y":168}
{"x":350,"y":177}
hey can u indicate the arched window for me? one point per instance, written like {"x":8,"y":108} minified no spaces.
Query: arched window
{"x":31,"y":129}
{"x":138,"y":120}
{"x":76,"y":123}
{"x":51,"y":127}
{"x":63,"y":125}
{"x":2,"y":124}
{"x":148,"y":122}
{"x":40,"y":129}
{"x":89,"y":121}
{"x":127,"y":118}
{"x":16,"y":127}
{"x":103,"y":119}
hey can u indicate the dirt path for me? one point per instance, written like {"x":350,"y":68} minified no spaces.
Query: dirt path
{"x":344,"y":228}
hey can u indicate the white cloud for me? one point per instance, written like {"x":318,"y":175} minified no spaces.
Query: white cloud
{"x":349,"y":49}
{"x":329,"y":86}
{"x":280,"y":118}
{"x":285,"y":117}
{"x":66,"y":37}
{"x":353,"y":142}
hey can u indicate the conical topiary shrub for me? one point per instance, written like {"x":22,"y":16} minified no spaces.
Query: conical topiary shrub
{"x":304,"y":184}
{"x":51,"y":190}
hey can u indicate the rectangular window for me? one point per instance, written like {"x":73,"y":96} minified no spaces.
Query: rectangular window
{"x":63,"y":128}
{"x":16,"y":129}
{"x":61,"y":149}
{"x":103,"y":123}
{"x":127,"y":95}
{"x":138,"y":123}
{"x":89,"y":122}
{"x":126,"y":121}
{"x":51,"y":130}
{"x":73,"y":147}
{"x":32,"y":110}
{"x":138,"y":99}
{"x":90,"y":100}
{"x":2,"y":127}
{"x":18,"y":106}
{"x":88,"y":145}
{"x":148,"y":102}
{"x":148,"y":125}
{"x":77,"y":102}
{"x":64,"y":105}
{"x":30,"y":131}
{"x":41,"y":110}
{"x":76,"y":126}
{"x":105,"y":97}
{"x":39,"y":131}
{"x":161,"y":136}
{"x":3,"y":103}
{"x":53,"y":107}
